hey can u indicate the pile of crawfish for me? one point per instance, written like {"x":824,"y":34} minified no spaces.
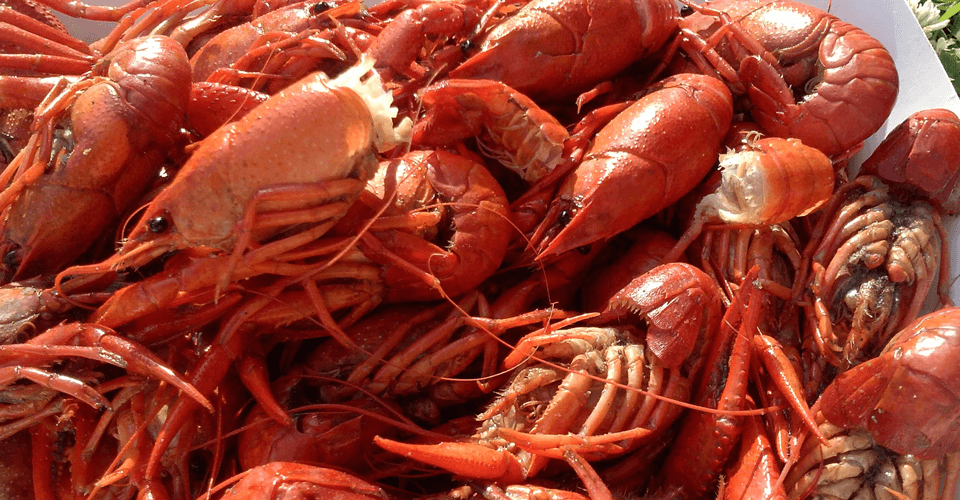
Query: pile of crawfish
{"x":264,"y":250}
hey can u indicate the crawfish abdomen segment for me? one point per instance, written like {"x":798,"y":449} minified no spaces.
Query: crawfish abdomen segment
{"x":810,"y":75}
{"x":852,"y":75}
{"x":919,"y":156}
{"x":151,"y":73}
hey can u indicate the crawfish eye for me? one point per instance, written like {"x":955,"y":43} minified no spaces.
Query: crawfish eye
{"x":685,"y":10}
{"x":6,"y":149}
{"x":321,"y":7}
{"x":466,"y":45}
{"x":158,"y":225}
{"x":583,"y":249}
{"x":11,"y":259}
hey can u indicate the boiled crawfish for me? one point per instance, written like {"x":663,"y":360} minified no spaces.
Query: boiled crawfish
{"x":906,"y":396}
{"x":637,"y":152}
{"x":98,"y":147}
{"x":878,"y":246}
{"x":544,"y":402}
{"x":219,"y":197}
{"x":801,"y":68}
{"x":571,"y":44}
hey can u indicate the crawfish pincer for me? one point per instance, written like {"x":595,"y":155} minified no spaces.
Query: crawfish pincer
{"x":641,"y":162}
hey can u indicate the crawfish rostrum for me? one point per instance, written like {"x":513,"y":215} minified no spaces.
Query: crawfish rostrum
{"x":469,"y":249}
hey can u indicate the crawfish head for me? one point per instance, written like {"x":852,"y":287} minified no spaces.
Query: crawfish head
{"x":330,"y":133}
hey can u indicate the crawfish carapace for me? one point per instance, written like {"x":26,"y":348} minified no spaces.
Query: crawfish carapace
{"x":110,"y":133}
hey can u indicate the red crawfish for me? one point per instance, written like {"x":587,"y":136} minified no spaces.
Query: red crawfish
{"x":810,"y":76}
{"x":286,"y":162}
{"x":443,"y":233}
{"x":642,"y":161}
{"x":878,"y":246}
{"x":560,"y":404}
{"x":649,"y":245}
{"x":553,"y":49}
{"x":907,"y":397}
{"x":98,"y":147}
